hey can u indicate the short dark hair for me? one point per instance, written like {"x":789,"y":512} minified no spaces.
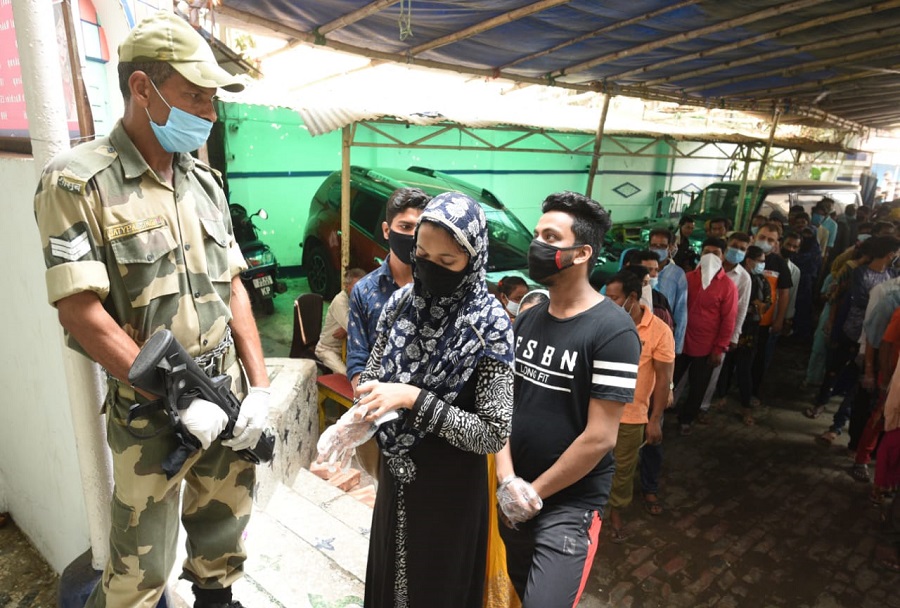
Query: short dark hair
{"x":629,"y":280}
{"x":880,"y":246}
{"x":714,"y":242}
{"x":792,"y":235}
{"x":157,"y":71}
{"x":507,"y":285}
{"x":685,"y":219}
{"x":402,"y":199}
{"x":590,"y":220}
{"x":802,"y":215}
{"x":742,"y":237}
{"x":754,"y":252}
{"x":774,"y":227}
{"x":533,"y":298}
{"x":881,"y":225}
{"x":662,"y":232}
{"x":864,"y":226}
{"x":353,"y":274}
{"x":643,"y":255}
{"x":720,"y":220}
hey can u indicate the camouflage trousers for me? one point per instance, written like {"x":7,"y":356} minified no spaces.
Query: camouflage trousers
{"x":144,"y":525}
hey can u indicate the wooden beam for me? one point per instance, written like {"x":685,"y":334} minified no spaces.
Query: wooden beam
{"x":352,"y":17}
{"x":831,"y":62}
{"x":779,"y":33}
{"x":603,"y":30}
{"x":595,"y":157}
{"x":790,"y":51}
{"x":728,"y":24}
{"x":484,"y":26}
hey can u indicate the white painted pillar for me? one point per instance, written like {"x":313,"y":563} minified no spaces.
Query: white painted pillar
{"x":45,"y":102}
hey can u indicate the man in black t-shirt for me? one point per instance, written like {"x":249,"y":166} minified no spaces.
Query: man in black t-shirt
{"x":576,"y":367}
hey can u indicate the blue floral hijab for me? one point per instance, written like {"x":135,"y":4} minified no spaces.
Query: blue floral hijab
{"x":436,"y":342}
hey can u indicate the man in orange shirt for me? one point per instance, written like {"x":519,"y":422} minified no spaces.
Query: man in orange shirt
{"x":654,"y":378}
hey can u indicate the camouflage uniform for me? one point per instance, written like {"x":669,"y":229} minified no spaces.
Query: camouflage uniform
{"x":158,"y":257}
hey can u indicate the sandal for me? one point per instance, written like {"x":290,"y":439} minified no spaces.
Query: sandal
{"x":814,"y":411}
{"x":620,"y":535}
{"x":655,"y":506}
{"x":827,"y":438}
{"x":889,"y":560}
{"x":748,"y":419}
{"x":860,"y":472}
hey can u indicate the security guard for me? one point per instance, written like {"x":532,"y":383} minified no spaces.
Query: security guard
{"x":137,"y":237}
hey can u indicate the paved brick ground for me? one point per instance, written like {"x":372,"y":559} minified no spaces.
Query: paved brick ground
{"x":757,"y":516}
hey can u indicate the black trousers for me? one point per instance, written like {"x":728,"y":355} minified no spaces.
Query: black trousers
{"x":699,"y":372}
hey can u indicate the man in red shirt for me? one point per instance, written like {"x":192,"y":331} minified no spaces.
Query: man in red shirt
{"x":712,"y":309}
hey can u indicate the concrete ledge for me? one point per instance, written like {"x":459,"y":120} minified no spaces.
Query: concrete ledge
{"x":295,"y":420}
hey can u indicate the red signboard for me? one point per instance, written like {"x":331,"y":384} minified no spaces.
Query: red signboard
{"x":13,"y":117}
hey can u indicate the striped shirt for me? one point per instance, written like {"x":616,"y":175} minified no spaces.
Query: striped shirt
{"x":561,"y":364}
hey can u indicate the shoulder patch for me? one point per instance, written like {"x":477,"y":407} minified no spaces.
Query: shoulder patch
{"x":72,"y":184}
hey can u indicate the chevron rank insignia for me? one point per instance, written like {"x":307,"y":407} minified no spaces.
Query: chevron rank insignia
{"x":71,"y":250}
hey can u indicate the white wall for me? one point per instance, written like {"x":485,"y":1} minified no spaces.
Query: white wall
{"x":39,"y":476}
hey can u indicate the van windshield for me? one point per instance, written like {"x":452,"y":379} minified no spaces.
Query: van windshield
{"x":718,"y":200}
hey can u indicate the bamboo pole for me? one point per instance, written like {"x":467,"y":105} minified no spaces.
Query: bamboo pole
{"x":595,"y":157}
{"x":762,"y":166}
{"x":880,"y":52}
{"x":82,"y":103}
{"x":346,"y":142}
{"x":599,"y":32}
{"x":353,"y":17}
{"x":738,"y":44}
{"x":838,"y":41}
{"x":743,"y":193}
{"x":815,"y":85}
{"x":489,"y":24}
{"x":701,"y":32}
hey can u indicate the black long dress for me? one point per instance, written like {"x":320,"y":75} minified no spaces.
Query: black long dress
{"x":445,"y":508}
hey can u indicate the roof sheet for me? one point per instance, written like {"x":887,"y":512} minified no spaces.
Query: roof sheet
{"x":816,"y":61}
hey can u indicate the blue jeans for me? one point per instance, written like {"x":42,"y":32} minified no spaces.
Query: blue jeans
{"x":651,"y":468}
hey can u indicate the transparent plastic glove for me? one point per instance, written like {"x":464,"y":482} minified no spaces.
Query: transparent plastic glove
{"x":204,"y":420}
{"x":518,"y":500}
{"x":252,"y":420}
{"x":337,"y":443}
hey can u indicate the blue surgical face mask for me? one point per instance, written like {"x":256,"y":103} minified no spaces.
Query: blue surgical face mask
{"x":661,"y":252}
{"x":862,"y":237}
{"x":759,"y":268}
{"x":816,"y":219}
{"x":654,"y":281}
{"x":183,"y":132}
{"x":734,"y":255}
{"x":766,"y":246}
{"x":754,"y":230}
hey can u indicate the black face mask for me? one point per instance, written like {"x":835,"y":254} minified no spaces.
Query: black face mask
{"x":545,"y":260}
{"x":402,"y":246}
{"x":438,"y":280}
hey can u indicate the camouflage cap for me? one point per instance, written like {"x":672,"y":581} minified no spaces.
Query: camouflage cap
{"x":166,"y":37}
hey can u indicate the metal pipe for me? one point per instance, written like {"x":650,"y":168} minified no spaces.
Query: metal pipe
{"x":46,"y":106}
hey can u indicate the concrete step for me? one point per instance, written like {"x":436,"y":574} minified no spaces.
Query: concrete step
{"x":307,"y":548}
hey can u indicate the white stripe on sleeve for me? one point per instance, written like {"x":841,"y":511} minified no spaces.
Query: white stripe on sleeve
{"x":616,"y":381}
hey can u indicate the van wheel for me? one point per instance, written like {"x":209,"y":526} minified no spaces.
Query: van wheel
{"x":322,"y":278}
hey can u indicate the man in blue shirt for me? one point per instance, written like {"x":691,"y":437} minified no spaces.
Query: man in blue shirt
{"x":672,"y":282}
{"x":372,"y":291}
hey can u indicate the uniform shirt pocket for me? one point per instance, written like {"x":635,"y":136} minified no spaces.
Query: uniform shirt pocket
{"x":215,"y":244}
{"x":147,"y":265}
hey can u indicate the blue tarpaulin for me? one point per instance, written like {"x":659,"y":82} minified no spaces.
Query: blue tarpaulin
{"x":819,"y":61}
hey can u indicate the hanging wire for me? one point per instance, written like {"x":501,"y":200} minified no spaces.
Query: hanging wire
{"x":405,"y":20}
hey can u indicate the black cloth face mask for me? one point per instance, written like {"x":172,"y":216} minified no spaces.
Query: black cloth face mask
{"x":402,"y":246}
{"x":438,"y":280}
{"x":545,"y":260}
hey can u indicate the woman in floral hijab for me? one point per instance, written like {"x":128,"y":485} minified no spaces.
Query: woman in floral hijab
{"x":443,"y":362}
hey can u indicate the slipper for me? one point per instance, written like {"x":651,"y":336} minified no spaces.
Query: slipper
{"x":814,"y":412}
{"x":860,"y":472}
{"x":826,"y":438}
{"x":620,"y":535}
{"x":654,"y":507}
